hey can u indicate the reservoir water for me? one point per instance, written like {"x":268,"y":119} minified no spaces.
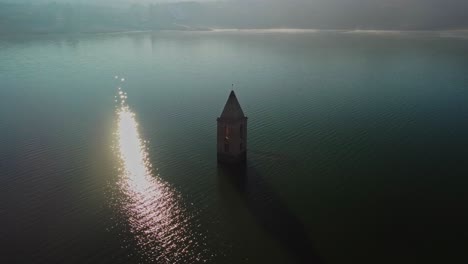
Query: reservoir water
{"x":357,"y":148}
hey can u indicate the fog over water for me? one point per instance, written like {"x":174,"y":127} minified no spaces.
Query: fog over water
{"x":67,"y":16}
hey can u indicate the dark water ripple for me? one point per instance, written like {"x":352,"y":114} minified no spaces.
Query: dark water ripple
{"x":356,"y":146}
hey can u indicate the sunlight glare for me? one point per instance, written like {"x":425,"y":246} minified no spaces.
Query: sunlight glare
{"x":161,"y":226}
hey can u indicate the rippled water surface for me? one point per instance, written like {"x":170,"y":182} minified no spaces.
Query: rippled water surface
{"x":357,"y":148}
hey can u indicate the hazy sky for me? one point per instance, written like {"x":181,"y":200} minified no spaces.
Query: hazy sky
{"x":330,"y":14}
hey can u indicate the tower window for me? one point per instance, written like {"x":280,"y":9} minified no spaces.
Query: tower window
{"x":241,"y":146}
{"x":226,"y":132}
{"x":226,"y":147}
{"x":241,"y":130}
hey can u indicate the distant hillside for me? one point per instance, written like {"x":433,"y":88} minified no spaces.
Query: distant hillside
{"x":33,"y":17}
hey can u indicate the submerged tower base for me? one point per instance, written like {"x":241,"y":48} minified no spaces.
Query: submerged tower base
{"x":228,"y":159}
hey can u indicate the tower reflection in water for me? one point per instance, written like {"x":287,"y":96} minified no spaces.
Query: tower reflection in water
{"x":159,"y":223}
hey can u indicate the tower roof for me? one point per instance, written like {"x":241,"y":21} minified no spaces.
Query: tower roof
{"x":232,"y":109}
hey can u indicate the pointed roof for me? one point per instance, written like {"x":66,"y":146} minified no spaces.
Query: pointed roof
{"x":232,"y":109}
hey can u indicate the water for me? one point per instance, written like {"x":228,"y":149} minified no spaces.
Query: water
{"x":357,"y":148}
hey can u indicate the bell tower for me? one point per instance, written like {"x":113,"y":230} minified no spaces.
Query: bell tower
{"x":232,"y":133}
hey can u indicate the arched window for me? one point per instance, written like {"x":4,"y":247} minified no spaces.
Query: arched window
{"x":241,"y":131}
{"x":226,"y":132}
{"x":226,"y":139}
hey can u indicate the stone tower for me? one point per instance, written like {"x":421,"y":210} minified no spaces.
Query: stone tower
{"x":232,"y":133}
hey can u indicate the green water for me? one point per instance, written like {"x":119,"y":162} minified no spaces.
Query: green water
{"x":357,"y":148}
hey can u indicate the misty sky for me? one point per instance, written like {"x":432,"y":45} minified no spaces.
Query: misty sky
{"x":320,"y":14}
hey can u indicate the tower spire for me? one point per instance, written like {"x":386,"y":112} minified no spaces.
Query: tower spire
{"x":232,"y":110}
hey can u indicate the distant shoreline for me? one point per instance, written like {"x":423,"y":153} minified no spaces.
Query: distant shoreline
{"x":457,"y":33}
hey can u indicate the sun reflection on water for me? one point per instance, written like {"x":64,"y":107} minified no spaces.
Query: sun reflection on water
{"x":159,"y":223}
